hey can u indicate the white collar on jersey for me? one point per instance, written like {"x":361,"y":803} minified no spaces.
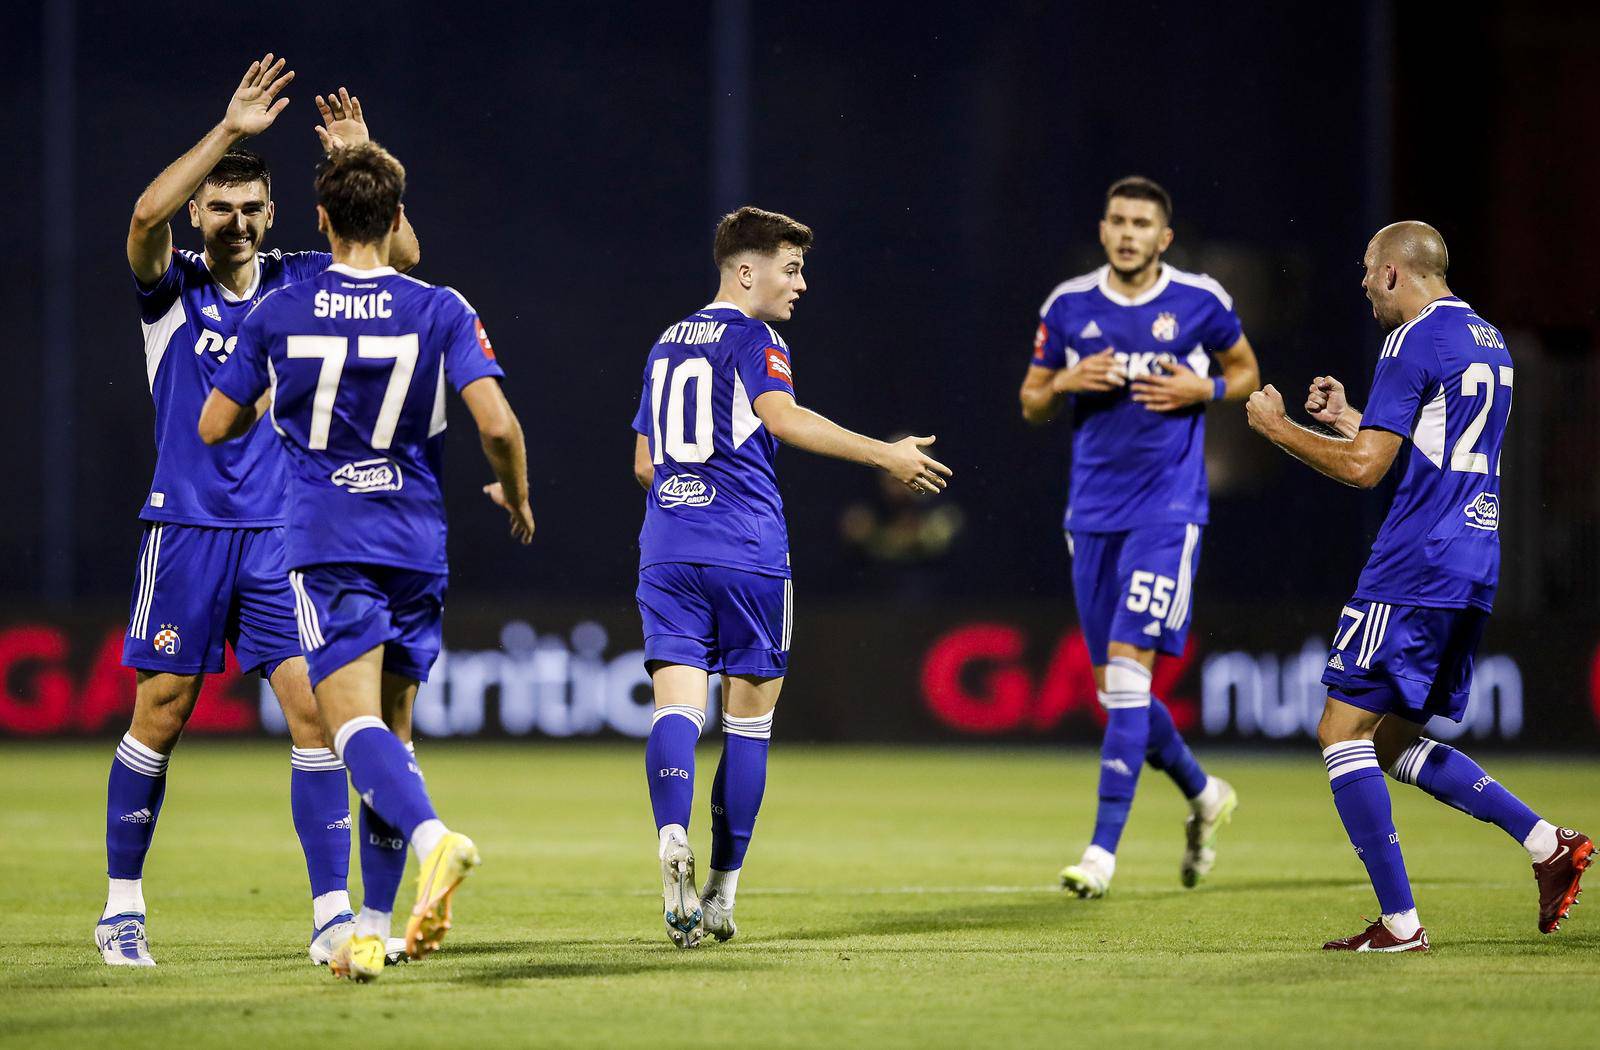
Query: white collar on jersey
{"x":228,"y":296}
{"x":722,"y":306}
{"x":1139,"y":300}
{"x":351,"y":271}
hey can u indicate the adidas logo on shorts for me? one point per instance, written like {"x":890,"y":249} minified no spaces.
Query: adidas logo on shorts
{"x":1336,"y":662}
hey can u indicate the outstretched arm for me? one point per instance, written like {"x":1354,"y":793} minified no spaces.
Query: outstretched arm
{"x":253,"y":108}
{"x":904,"y":460}
{"x":503,"y":447}
{"x":344,"y":123}
{"x":1360,"y":462}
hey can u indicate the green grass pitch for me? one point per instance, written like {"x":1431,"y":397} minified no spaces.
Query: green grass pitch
{"x":892,"y":898}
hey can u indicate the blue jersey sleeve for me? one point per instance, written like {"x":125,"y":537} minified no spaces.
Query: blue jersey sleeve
{"x":1222,"y":329}
{"x":158,"y":298}
{"x":244,"y":376}
{"x":1405,"y":373}
{"x":301,"y":265}
{"x":641,"y":418}
{"x":1049,"y":346}
{"x":763,"y":363}
{"x":468,"y":354}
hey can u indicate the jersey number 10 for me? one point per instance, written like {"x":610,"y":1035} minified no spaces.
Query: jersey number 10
{"x":674,"y":441}
{"x":332,"y":350}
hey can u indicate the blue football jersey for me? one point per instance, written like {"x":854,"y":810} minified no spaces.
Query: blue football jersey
{"x":1130,"y":466}
{"x":1443,"y":382}
{"x":357,"y":361}
{"x":714,"y":499}
{"x":190,"y":324}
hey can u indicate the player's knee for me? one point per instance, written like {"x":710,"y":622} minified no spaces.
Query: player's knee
{"x":162,"y":705}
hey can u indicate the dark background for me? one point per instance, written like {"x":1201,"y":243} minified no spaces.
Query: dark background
{"x":567,"y":166}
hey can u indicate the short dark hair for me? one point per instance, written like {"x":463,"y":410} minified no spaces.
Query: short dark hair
{"x":360,"y":188}
{"x":1139,"y":188}
{"x":239,"y":167}
{"x":753,"y":229}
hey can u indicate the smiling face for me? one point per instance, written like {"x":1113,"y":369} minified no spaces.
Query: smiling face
{"x":232,"y":220}
{"x":774,"y":282}
{"x":1134,"y":233}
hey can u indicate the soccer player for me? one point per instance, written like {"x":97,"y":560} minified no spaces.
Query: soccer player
{"x":714,"y":585}
{"x":211,"y":567}
{"x":356,"y":360}
{"x":1130,"y":348}
{"x":1404,"y":647}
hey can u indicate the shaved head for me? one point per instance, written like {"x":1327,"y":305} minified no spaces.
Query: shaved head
{"x":1412,"y":246}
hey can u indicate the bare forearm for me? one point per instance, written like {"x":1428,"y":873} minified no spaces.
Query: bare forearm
{"x":810,"y":432}
{"x":508,"y":458}
{"x":174,"y":186}
{"x":1334,"y":457}
{"x":1242,"y":378}
{"x":1348,"y":423}
{"x":1040,"y":405}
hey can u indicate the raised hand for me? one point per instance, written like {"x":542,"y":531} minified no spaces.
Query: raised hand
{"x":1094,"y":374}
{"x":913,"y":468}
{"x":343,"y":123}
{"x":1325,"y":402}
{"x":1265,"y":410}
{"x":255,"y":105}
{"x":521,"y":516}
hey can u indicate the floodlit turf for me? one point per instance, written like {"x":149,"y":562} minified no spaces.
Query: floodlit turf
{"x":891,"y":898}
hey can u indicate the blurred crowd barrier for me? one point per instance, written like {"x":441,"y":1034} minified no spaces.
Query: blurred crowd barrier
{"x":881,"y":673}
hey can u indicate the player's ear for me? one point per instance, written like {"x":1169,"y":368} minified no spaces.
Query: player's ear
{"x":399,"y":213}
{"x":747,"y":276}
{"x":194,"y":213}
{"x":322,"y":220}
{"x":272,"y":212}
{"x":1166,"y":238}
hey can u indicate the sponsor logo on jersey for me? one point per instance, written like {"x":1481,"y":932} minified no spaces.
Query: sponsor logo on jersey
{"x":685,"y":490}
{"x":1039,"y":338}
{"x":1165,"y":327}
{"x":166,"y":641}
{"x":211,"y":311}
{"x":1090,"y":331}
{"x":1484,"y":512}
{"x":778,"y":365}
{"x":369,"y":475}
{"x":1146,"y":364}
{"x":483,"y":339}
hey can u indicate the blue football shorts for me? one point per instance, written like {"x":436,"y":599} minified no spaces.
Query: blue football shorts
{"x":1408,"y":660}
{"x":722,"y":620}
{"x":1135,"y":587}
{"x":344,"y":610}
{"x":198,"y":587}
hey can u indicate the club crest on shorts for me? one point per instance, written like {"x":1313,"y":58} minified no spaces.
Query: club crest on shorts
{"x":1165,"y":327}
{"x":685,"y":490}
{"x":1483,"y":512}
{"x":167,"y":642}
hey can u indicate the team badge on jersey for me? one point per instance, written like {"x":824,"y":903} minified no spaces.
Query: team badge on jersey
{"x":686,"y":490}
{"x":167,"y":641}
{"x":1165,"y":327}
{"x":778,"y":365}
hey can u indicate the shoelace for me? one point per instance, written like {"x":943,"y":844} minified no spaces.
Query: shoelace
{"x":127,"y":935}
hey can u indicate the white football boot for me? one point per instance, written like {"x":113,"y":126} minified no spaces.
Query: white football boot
{"x":717,"y":917}
{"x":1217,"y":804}
{"x":680,"y":899}
{"x":1090,"y":878}
{"x":335,"y":932}
{"x":121,"y":940}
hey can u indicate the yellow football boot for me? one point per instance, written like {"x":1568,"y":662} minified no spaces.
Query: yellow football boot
{"x":441,"y":872}
{"x":358,"y":958}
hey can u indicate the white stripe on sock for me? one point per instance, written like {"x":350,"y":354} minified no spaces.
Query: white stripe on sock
{"x":141,"y":759}
{"x":1348,"y":756}
{"x":693,"y":714}
{"x":758,"y":727}
{"x":341,"y":739}
{"x":1409,"y":764}
{"x":314,"y":759}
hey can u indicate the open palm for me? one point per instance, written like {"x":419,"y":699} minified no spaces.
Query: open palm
{"x":343,"y":123}
{"x":255,"y":105}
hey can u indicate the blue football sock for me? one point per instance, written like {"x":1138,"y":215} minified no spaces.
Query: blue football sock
{"x":1168,"y":752}
{"x":383,"y":773}
{"x":319,"y":799}
{"x":383,"y":861}
{"x":133,"y":802}
{"x":1362,"y":799}
{"x":669,"y":762}
{"x":1122,"y":751}
{"x":1456,"y":780}
{"x":736,"y":792}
